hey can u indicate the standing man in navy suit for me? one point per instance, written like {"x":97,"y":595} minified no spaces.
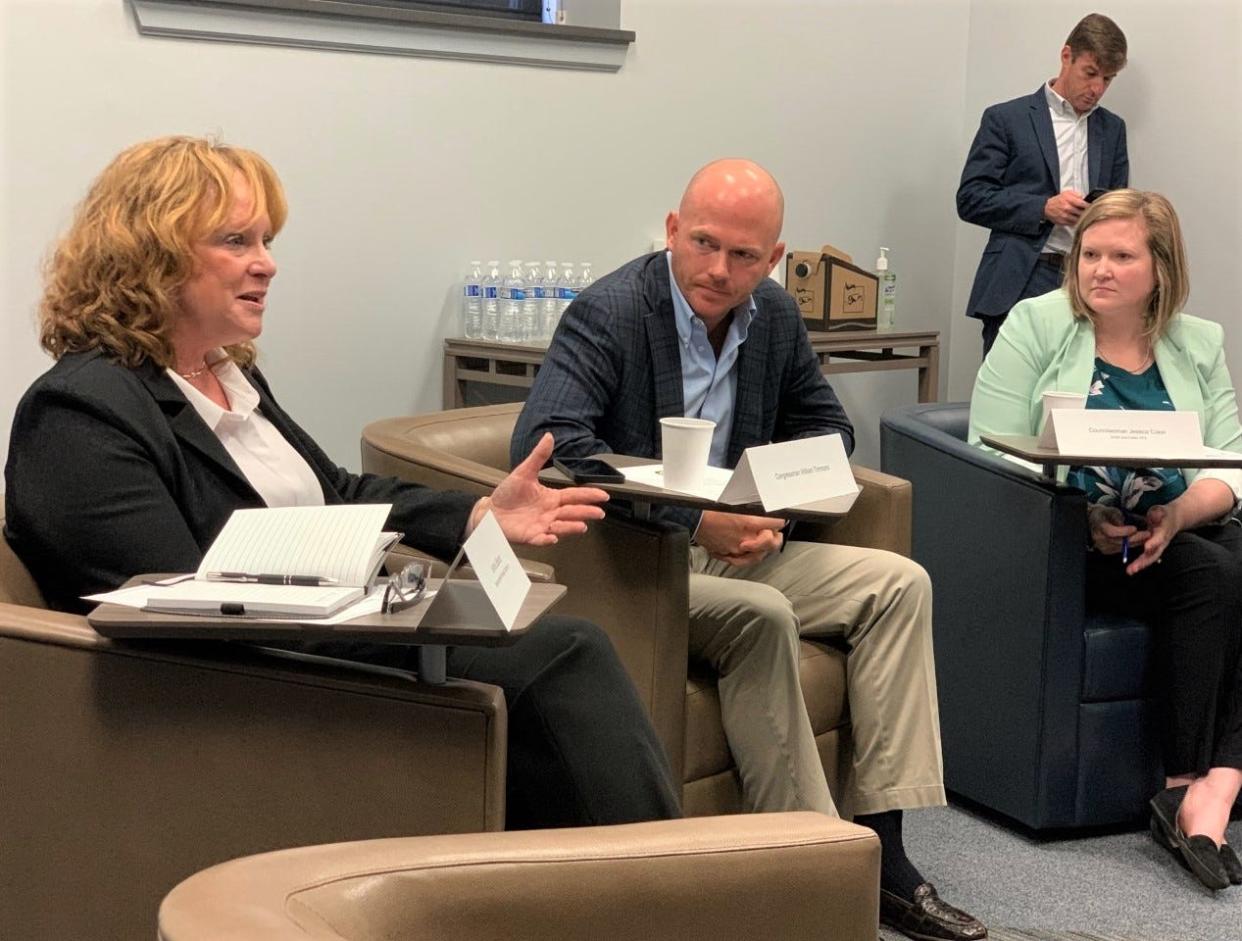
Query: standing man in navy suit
{"x":1033,"y":165}
{"x":700,"y":330}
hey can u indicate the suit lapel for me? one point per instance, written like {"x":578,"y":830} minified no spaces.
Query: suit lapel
{"x":189,"y":427}
{"x":1077,"y":360}
{"x":748,"y":402}
{"x":1041,"y":120}
{"x":1178,"y":372}
{"x":1075,"y":364}
{"x":662,"y":342}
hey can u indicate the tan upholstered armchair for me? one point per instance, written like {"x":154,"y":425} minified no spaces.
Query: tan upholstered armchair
{"x":795,"y":877}
{"x":124,"y":768}
{"x":630,"y":578}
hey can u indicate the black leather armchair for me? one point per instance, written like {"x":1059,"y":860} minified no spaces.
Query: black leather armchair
{"x":1046,"y":709}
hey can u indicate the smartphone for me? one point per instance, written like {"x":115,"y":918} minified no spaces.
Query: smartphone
{"x":1095,"y":194}
{"x":588,"y":470}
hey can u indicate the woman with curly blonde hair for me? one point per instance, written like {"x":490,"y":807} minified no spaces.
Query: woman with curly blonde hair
{"x":112,"y":282}
{"x":153,"y":426}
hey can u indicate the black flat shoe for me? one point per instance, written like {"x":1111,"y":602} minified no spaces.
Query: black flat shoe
{"x":1164,"y":818}
{"x":1197,"y":853}
{"x":1164,"y":808}
{"x":1233,"y":865}
{"x":928,"y":918}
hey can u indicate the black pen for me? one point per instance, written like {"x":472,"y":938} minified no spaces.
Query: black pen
{"x":306,"y":581}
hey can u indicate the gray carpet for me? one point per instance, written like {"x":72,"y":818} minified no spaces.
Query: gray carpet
{"x":1120,"y":887}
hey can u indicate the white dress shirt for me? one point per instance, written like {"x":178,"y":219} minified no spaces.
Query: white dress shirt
{"x":270,"y":463}
{"x":1070,"y":130}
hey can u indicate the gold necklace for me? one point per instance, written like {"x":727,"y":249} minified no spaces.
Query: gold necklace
{"x":1147,"y":359}
{"x":194,"y":373}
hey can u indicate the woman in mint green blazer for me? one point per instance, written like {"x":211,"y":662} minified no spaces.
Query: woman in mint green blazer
{"x":1165,"y":542}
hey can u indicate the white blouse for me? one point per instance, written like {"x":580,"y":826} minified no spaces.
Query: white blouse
{"x":270,"y":463}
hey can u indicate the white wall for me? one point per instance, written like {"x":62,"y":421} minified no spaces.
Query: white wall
{"x":1178,"y":96}
{"x":399,"y":170}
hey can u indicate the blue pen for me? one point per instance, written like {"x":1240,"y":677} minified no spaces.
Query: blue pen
{"x":1125,"y":549}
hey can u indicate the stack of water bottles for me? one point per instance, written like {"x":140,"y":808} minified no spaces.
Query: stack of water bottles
{"x":522,"y":305}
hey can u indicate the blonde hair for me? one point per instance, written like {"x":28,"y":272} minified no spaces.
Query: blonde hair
{"x":1164,"y":241}
{"x":113,"y":279}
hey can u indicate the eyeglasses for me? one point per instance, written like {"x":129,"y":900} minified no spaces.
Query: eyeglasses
{"x":405,"y":589}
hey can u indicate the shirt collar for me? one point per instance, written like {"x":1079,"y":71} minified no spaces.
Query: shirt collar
{"x":243,"y":399}
{"x":686,"y":318}
{"x":1062,"y":106}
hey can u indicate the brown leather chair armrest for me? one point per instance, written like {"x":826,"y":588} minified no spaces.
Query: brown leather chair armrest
{"x":795,"y":876}
{"x":18,"y":620}
{"x":129,"y":766}
{"x":631,"y":578}
{"x":390,"y":450}
{"x":16,"y":584}
{"x":879,"y":519}
{"x":628,"y":577}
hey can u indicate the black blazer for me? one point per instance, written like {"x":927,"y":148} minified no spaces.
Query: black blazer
{"x":613,"y":370}
{"x":112,"y":473}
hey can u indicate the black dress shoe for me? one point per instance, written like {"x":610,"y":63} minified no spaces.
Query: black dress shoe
{"x":927,"y":918}
{"x":1233,"y":865}
{"x":1197,"y":853}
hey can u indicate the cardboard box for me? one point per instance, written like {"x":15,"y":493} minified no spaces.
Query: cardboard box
{"x":832,"y":292}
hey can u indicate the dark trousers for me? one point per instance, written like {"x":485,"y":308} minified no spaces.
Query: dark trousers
{"x":991,"y":327}
{"x":1044,"y":278}
{"x":1193,"y":601}
{"x":581,"y":748}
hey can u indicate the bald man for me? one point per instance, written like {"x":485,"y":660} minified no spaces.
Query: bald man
{"x":700,"y":330}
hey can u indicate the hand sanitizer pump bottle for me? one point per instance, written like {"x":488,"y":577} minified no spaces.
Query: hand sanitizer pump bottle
{"x":888,"y":292}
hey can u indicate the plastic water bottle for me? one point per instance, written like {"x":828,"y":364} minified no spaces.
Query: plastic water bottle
{"x":566,"y":289}
{"x":888,"y":292}
{"x":532,"y":308}
{"x":551,"y":305}
{"x":472,"y":302}
{"x":584,"y":279}
{"x":553,"y":11}
{"x":491,"y":302}
{"x":512,"y":300}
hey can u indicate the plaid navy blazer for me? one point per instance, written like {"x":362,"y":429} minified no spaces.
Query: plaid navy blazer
{"x":613,"y":370}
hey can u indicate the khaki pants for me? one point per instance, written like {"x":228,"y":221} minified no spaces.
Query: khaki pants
{"x":746,"y":623}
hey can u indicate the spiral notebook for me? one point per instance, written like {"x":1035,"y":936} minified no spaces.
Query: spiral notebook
{"x":336,"y":551}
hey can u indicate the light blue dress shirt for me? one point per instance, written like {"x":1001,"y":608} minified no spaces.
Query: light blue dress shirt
{"x":709,"y":382}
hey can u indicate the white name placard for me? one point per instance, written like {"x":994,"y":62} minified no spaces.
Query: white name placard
{"x":492,"y":601}
{"x":807,"y":472}
{"x":1106,"y":433}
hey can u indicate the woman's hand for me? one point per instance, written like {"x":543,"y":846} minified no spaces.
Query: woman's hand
{"x":1207,"y":500}
{"x":529,"y":512}
{"x":1109,"y":528}
{"x":1163,"y":523}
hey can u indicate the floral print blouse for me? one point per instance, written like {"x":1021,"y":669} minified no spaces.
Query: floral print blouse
{"x":1134,"y":490}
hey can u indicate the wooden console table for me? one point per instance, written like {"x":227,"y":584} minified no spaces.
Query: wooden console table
{"x":514,"y":365}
